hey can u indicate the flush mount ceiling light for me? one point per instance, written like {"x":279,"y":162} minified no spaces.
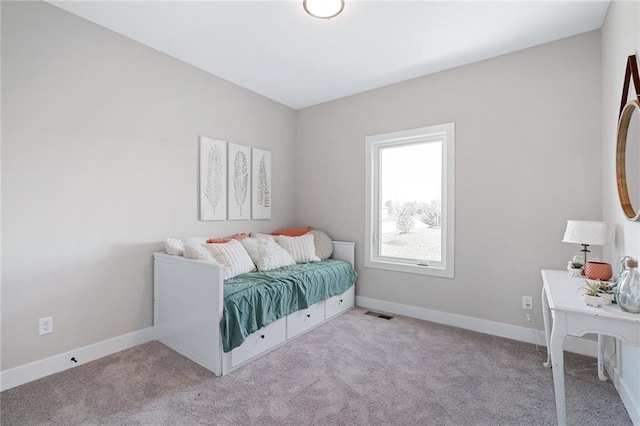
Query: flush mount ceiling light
{"x":323,"y":9}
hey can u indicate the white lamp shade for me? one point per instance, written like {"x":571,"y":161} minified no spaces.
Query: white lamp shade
{"x":586,"y":232}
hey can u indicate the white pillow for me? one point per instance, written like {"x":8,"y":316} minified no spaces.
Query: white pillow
{"x":300,"y":248}
{"x":174,"y":246}
{"x":323,"y":244}
{"x":259,"y":235}
{"x":198,"y":252}
{"x":267,"y":254}
{"x":195,"y":241}
{"x":233,"y":256}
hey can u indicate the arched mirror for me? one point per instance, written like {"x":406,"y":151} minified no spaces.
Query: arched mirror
{"x":628,"y":160}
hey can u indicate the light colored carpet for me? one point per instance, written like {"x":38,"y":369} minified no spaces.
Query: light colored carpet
{"x":354,"y":370}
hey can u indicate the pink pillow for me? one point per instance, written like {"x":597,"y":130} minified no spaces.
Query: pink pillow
{"x":238,"y":237}
{"x":293,"y":232}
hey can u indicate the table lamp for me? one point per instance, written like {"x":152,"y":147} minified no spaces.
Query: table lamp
{"x":586,"y":233}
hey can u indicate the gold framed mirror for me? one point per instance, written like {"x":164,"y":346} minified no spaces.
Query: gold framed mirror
{"x":628,"y":160}
{"x":628,"y":144}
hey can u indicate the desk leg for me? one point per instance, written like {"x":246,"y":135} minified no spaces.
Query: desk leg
{"x":601,"y":375}
{"x":558,"y":334}
{"x":547,"y":326}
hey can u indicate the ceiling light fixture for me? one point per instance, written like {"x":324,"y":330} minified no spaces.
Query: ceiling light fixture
{"x":323,"y":9}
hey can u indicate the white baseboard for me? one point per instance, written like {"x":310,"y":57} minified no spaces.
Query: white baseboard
{"x":45,"y":367}
{"x":631,"y":402}
{"x":522,"y":334}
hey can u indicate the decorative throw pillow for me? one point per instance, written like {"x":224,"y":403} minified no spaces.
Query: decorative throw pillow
{"x":194,"y":241}
{"x":223,"y":240}
{"x":267,"y":254}
{"x":233,"y":256}
{"x":174,"y":246}
{"x":219,"y":240}
{"x":260,"y":235}
{"x":300,"y":248}
{"x":293,"y":232}
{"x":323,"y":244}
{"x":198,"y":252}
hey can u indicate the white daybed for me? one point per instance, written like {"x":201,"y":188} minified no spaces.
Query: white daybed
{"x":188,"y":308}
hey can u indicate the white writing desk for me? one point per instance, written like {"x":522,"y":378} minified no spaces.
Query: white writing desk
{"x":562,"y":296}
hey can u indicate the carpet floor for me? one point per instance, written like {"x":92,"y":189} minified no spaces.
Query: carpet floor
{"x":354,"y":370}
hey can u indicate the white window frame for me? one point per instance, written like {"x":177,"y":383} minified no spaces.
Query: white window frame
{"x":444,"y":132}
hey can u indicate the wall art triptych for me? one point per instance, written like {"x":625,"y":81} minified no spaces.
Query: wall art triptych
{"x":235,"y":181}
{"x":261,"y":184}
{"x":213,"y":179}
{"x":239,"y":181}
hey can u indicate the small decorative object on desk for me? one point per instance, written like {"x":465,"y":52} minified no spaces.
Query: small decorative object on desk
{"x":597,"y":293}
{"x":628,"y":288}
{"x":575,"y":269}
{"x":598,"y":271}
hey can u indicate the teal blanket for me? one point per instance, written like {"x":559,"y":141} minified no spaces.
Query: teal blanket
{"x":256,"y":299}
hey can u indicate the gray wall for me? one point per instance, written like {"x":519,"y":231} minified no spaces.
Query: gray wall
{"x":99,"y":163}
{"x":620,"y":38}
{"x":527,"y":159}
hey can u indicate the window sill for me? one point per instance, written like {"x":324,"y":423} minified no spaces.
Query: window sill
{"x":434,"y":271}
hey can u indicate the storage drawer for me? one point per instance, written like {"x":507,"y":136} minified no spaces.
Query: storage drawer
{"x":260,"y":341}
{"x":304,"y":319}
{"x":340,"y":303}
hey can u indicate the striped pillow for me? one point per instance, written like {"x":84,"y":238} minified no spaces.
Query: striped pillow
{"x":300,"y":248}
{"x":233,"y":256}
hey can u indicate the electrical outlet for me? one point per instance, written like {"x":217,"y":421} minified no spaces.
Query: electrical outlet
{"x":527,"y":302}
{"x":46,"y":325}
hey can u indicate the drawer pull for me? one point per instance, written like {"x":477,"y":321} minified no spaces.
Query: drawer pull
{"x":340,"y":300}
{"x":308,"y":315}
{"x":262,"y":336}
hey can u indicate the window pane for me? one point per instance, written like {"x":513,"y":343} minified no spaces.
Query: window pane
{"x":411,"y":201}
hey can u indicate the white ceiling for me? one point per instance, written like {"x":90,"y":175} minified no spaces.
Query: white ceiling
{"x":275,"y":49}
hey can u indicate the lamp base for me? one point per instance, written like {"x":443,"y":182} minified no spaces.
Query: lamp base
{"x":580,"y":258}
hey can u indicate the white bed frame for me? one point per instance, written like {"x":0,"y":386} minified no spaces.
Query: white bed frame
{"x":188,"y":307}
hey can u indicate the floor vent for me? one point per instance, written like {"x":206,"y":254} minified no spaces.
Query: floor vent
{"x":378,"y":315}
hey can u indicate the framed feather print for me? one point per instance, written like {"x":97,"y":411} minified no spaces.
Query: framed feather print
{"x":239,"y":182}
{"x":260,"y":184}
{"x":213,"y":179}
